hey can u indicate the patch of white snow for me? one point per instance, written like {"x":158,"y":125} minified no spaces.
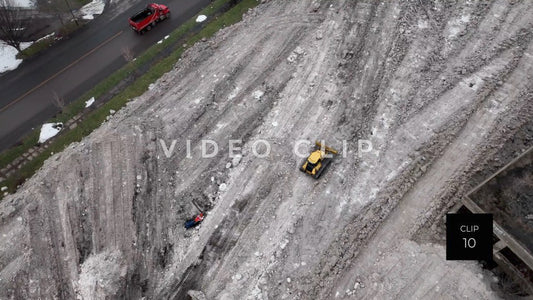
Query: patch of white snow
{"x":201,"y":18}
{"x":22,"y":3}
{"x":8,"y":56}
{"x":96,"y":7}
{"x":89,"y":102}
{"x":46,"y":36}
{"x":49,"y":130}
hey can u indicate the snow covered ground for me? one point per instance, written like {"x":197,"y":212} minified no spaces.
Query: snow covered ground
{"x":8,"y":56}
{"x":96,"y":7}
{"x":23,"y":3}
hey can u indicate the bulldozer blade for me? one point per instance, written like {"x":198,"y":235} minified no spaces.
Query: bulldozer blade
{"x":326,"y":148}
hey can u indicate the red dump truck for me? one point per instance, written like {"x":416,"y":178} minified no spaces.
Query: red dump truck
{"x":146,"y":19}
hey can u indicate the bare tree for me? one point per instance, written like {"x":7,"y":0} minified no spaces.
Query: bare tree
{"x":59,"y":8}
{"x":127,"y":53}
{"x":14,"y":22}
{"x":72,"y":13}
{"x":58,"y":101}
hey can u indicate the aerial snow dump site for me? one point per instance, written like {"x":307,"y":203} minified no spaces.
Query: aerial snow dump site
{"x":211,"y":184}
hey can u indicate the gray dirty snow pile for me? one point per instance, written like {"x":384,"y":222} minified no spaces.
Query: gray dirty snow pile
{"x":102,"y":275}
{"x":437,"y":88}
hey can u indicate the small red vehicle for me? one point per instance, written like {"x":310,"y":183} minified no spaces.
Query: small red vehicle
{"x":146,"y":19}
{"x":194,"y":221}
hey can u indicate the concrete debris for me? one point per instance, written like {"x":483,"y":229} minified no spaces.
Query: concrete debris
{"x":236,"y":160}
{"x":299,"y":51}
{"x":258,"y":94}
{"x":315,"y":6}
{"x":223,"y":187}
{"x":196,"y":295}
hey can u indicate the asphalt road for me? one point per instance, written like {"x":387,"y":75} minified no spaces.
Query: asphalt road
{"x":74,"y":66}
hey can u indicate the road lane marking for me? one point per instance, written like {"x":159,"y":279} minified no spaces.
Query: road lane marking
{"x":61,"y":71}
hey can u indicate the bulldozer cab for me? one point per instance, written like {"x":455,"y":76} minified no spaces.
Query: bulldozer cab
{"x":312,"y":161}
{"x":315,"y":157}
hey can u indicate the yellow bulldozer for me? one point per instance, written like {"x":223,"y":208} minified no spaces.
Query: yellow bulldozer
{"x":318,"y":160}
